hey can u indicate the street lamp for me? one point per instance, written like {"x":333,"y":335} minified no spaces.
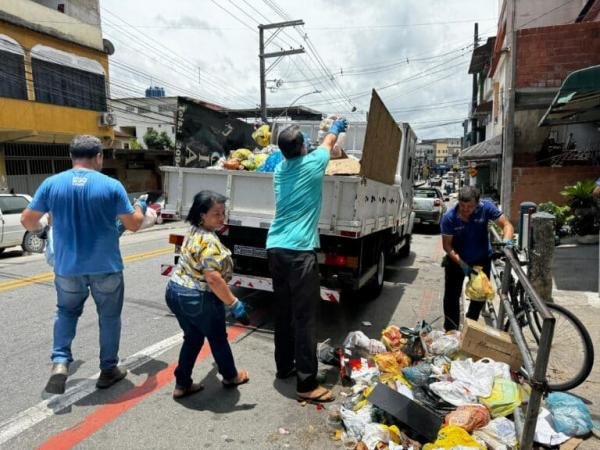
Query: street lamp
{"x":284,"y":113}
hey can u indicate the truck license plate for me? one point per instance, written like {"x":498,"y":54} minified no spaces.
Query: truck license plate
{"x":254,"y":252}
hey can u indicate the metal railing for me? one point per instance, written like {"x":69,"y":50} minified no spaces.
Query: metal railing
{"x":535,"y":370}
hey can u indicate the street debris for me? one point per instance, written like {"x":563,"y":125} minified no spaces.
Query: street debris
{"x":421,"y":388}
{"x":282,"y":430}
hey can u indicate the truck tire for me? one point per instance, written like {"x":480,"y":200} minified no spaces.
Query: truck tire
{"x":405,"y":250}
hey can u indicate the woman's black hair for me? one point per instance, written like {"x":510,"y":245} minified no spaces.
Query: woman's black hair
{"x":203,"y":201}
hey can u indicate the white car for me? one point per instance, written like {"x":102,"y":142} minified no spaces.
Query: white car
{"x":12,"y":233}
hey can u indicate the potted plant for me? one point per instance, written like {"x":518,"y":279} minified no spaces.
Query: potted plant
{"x":562,"y":217}
{"x":585,"y":222}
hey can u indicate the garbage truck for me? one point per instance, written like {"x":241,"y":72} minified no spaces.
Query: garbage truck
{"x":366,"y":213}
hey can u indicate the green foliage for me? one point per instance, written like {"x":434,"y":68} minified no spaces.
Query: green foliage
{"x":579,"y":194}
{"x":134,"y":144}
{"x":586,"y":215}
{"x":157,"y":141}
{"x":560,"y":213}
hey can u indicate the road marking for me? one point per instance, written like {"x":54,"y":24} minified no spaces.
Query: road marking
{"x":105,"y":414}
{"x":49,"y":276}
{"x":24,"y":420}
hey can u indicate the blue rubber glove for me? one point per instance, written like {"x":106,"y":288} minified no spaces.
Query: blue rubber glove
{"x":508,"y":243}
{"x":238,"y":311}
{"x":338,"y":126}
{"x":467,"y":269}
{"x":142,"y":204}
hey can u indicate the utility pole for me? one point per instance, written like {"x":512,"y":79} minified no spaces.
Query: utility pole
{"x":508,"y":137}
{"x":474,"y":138}
{"x":262,"y":56}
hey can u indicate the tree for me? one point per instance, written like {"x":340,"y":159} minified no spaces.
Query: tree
{"x":154,"y":140}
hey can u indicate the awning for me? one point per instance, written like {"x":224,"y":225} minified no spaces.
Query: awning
{"x":486,"y":150}
{"x":577,"y":101}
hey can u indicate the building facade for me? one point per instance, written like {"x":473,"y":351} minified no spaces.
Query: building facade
{"x":53,"y":86}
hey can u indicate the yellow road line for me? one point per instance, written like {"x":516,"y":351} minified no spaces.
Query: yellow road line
{"x":49,"y":276}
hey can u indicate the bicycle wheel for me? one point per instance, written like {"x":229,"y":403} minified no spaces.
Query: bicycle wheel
{"x":571,"y":353}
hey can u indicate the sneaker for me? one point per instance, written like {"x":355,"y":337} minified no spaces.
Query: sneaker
{"x":58,"y":378}
{"x":109,"y":377}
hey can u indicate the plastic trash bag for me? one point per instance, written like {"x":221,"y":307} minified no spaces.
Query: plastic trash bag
{"x":150,"y":218}
{"x":327,"y":354}
{"x":355,"y":422}
{"x":570,"y":415}
{"x":262,"y":135}
{"x":418,"y":375}
{"x":469,"y":417}
{"x":454,"y":393}
{"x":503,"y":400}
{"x":450,"y":437}
{"x":479,"y":287}
{"x":478,"y":376}
{"x":439,"y":343}
{"x":271,"y":162}
{"x":392,"y":338}
{"x":499,"y":432}
{"x":545,"y":432}
{"x":358,"y":339}
{"x":392,"y":362}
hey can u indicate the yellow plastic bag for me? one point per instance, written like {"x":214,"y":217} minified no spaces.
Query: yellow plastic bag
{"x":452,"y":436}
{"x":505,"y":397}
{"x":262,"y":136}
{"x":479,"y":287}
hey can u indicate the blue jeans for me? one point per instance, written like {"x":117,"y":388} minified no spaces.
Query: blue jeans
{"x":200,"y":315}
{"x":107,"y":290}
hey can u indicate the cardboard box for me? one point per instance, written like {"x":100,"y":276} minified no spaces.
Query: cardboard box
{"x":482,"y":341}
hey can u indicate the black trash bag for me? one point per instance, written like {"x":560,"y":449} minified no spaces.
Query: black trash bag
{"x":328,"y":355}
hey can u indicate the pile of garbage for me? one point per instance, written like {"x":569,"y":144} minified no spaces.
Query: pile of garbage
{"x":266,"y":156}
{"x":416,"y":388}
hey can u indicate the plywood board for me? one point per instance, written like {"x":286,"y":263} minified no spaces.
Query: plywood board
{"x":382,"y":143}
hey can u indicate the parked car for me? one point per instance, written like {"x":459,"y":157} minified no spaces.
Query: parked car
{"x":428,"y":205}
{"x":12,"y":233}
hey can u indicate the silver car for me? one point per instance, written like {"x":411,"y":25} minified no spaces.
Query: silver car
{"x":428,"y":205}
{"x":12,"y":232}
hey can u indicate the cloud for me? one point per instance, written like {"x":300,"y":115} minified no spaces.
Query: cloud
{"x":187,"y":22}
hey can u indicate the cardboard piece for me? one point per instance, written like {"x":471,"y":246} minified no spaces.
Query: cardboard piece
{"x":571,"y":444}
{"x":410,"y":413}
{"x":383,"y":139}
{"x":345,"y":166}
{"x":483,"y":341}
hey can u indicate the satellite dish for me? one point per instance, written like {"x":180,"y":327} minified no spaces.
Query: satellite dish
{"x":109,"y":48}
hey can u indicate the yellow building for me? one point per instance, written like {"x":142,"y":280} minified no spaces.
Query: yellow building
{"x":53,"y":86}
{"x":441,"y":151}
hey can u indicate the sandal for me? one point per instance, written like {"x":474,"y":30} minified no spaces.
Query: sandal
{"x":241,"y":378}
{"x":318,"y":395}
{"x":179,"y":392}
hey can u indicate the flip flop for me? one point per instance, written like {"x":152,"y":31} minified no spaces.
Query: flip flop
{"x":192,"y":389}
{"x":241,"y":378}
{"x":325,"y":396}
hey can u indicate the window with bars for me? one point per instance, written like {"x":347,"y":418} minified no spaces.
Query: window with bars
{"x":67,"y":86}
{"x":12,"y":75}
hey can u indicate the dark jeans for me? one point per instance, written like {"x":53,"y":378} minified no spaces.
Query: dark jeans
{"x":454,"y":278}
{"x":200,"y":314}
{"x":296,"y":285}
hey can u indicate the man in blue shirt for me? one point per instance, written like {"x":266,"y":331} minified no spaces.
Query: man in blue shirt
{"x":466,"y":242}
{"x":84,"y":205}
{"x":291,"y":243}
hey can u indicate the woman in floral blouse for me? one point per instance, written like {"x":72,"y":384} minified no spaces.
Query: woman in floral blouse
{"x":198,"y":295}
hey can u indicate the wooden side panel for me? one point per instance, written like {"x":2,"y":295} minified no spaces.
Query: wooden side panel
{"x":382,"y":143}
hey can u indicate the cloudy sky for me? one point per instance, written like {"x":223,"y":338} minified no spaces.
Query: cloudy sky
{"x":414,"y":52}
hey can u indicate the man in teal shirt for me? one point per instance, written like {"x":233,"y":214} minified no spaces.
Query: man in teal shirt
{"x":291,"y":243}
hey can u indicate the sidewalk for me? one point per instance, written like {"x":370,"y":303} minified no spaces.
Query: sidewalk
{"x":575,"y":286}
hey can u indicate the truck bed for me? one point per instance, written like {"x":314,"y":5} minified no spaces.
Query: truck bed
{"x":352,"y":206}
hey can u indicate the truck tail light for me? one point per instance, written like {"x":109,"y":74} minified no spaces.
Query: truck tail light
{"x":223,"y":231}
{"x":341,"y":261}
{"x":176,"y":239}
{"x":437,"y":202}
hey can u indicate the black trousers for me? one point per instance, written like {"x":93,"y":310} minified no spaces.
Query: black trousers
{"x":296,"y":286}
{"x":454,"y":278}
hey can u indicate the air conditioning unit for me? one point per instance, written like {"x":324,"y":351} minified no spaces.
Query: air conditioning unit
{"x":107,"y":119}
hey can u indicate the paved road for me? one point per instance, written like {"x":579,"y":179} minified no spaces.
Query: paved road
{"x":139,"y":411}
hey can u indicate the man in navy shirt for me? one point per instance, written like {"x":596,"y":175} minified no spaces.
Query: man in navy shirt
{"x":465,"y":240}
{"x":84,"y":205}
